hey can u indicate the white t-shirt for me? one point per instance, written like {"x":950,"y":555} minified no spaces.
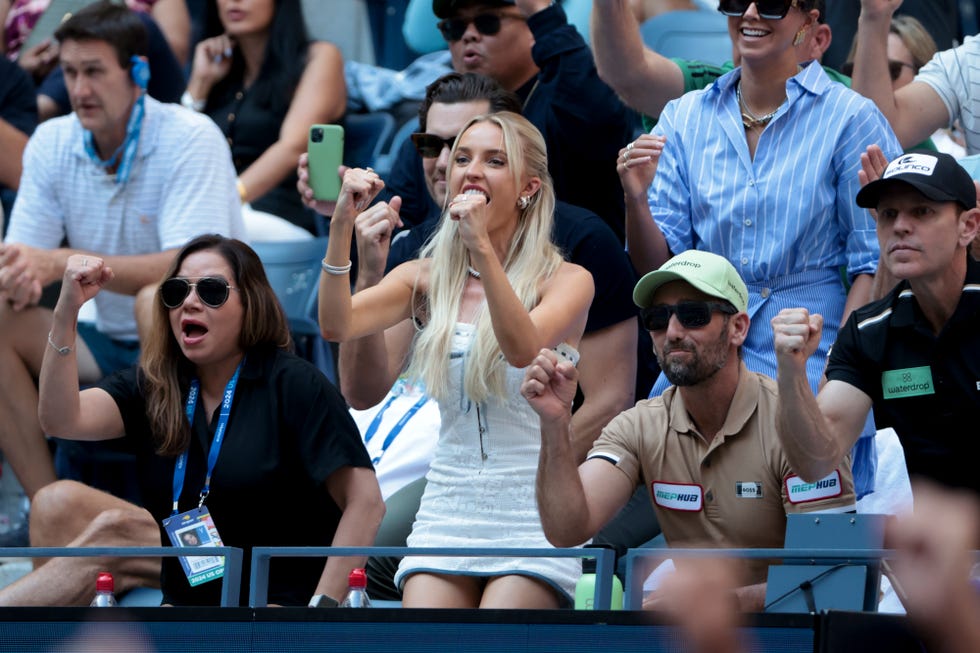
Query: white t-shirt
{"x":182,"y":185}
{"x":955,"y":76}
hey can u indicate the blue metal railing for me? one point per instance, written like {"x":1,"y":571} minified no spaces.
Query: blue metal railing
{"x":230,"y":588}
{"x":259,"y":591}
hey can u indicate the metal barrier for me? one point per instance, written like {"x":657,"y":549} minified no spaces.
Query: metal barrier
{"x":633,"y":593}
{"x":259,"y":590}
{"x":232,"y":578}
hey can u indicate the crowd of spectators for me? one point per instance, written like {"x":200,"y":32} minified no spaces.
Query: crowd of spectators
{"x":766,"y":204}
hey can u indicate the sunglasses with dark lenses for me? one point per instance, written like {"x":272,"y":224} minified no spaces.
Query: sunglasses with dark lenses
{"x":430,"y":146}
{"x":894,"y":68}
{"x":691,"y":315}
{"x":487,"y":24}
{"x":768,"y":9}
{"x":213,"y":291}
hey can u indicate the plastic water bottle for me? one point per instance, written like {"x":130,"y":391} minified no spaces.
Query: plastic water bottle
{"x":357,"y":596}
{"x":104,"y":588}
{"x":585,"y":588}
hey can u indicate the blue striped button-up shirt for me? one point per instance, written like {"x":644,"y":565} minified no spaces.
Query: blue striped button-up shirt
{"x":786,"y":219}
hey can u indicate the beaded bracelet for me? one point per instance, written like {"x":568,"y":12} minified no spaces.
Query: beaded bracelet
{"x":335,"y":270}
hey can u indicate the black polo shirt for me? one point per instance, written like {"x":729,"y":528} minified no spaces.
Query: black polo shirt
{"x":926,"y":387}
{"x":288,"y":431}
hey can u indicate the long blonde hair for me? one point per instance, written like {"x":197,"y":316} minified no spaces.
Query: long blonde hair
{"x":530,"y":260}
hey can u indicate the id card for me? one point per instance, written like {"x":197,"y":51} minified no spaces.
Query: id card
{"x":195,"y":528}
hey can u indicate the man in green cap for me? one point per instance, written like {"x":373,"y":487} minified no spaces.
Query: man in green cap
{"x":707,"y":449}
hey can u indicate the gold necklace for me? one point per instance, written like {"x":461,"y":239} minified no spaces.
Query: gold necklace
{"x":749,"y":119}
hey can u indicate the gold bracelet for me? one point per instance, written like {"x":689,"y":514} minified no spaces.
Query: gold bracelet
{"x":62,"y":351}
{"x":242,"y":192}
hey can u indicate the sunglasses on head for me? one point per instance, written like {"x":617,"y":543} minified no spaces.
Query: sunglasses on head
{"x":691,"y":315}
{"x":430,"y":146}
{"x":894,"y":68}
{"x":768,"y":9}
{"x":487,"y":24}
{"x":213,"y":291}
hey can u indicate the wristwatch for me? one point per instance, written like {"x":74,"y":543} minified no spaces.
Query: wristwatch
{"x":323,"y":601}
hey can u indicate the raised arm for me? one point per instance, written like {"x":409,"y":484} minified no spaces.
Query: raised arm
{"x":637,"y":166}
{"x":915,"y":111}
{"x":343,"y":316}
{"x":369,"y":366}
{"x":62,"y":410}
{"x":645,"y":80}
{"x":816,"y":432}
{"x":574,"y":501}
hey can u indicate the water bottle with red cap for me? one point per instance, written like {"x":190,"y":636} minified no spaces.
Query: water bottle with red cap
{"x":357,"y":596}
{"x":104,"y":588}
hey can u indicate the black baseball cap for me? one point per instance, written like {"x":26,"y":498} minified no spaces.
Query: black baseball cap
{"x":934,"y":174}
{"x":445,"y":8}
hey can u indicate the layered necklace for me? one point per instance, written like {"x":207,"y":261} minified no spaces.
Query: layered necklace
{"x":749,"y":119}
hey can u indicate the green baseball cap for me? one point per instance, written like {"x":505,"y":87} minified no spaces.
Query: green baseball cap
{"x":709,"y":273}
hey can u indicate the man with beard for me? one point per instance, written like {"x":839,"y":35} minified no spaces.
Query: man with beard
{"x":706,"y":450}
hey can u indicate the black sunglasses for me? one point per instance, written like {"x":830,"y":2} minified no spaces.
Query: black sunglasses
{"x":894,"y":68}
{"x":430,"y":146}
{"x":768,"y":9}
{"x":487,"y":24}
{"x":692,"y":315}
{"x":213,"y":291}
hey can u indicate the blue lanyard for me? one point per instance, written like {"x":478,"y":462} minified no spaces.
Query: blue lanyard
{"x":396,"y":429}
{"x":128,"y":148}
{"x":180,"y":467}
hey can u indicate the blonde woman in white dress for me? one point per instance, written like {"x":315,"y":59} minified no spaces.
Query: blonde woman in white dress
{"x":488,"y":292}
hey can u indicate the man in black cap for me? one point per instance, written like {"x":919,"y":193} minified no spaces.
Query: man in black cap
{"x":529,"y":48}
{"x":913,"y":355}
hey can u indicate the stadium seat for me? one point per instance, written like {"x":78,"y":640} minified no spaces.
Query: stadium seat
{"x":293,"y":268}
{"x":365,"y":137}
{"x":699,"y":35}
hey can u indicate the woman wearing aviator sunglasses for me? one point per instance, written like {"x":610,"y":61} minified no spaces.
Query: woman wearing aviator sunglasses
{"x":230,"y":430}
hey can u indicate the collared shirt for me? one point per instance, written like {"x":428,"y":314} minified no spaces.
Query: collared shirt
{"x":954,"y":74}
{"x":925,"y":386}
{"x":786,"y":219}
{"x":182,"y":185}
{"x":288,"y":432}
{"x":731,"y":492}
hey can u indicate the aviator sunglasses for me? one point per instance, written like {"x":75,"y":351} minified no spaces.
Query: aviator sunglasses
{"x":691,"y":315}
{"x":430,"y":146}
{"x":487,"y":24}
{"x":894,"y":68}
{"x":213,"y":291}
{"x":768,"y":9}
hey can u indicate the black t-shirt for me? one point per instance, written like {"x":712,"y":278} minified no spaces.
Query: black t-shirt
{"x":924,"y":386}
{"x":288,"y":431}
{"x":250,"y":129}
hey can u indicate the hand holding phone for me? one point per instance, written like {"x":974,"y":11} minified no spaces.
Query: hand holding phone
{"x":325,"y":151}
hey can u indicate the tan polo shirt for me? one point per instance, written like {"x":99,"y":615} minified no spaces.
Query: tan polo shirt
{"x":734,"y":492}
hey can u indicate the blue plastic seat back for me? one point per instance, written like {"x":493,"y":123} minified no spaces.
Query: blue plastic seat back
{"x":697,"y":35}
{"x":365,"y":137}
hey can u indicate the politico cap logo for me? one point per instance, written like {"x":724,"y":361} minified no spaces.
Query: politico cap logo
{"x":916,"y":164}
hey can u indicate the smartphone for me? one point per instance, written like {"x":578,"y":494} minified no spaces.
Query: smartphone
{"x":326,"y":152}
{"x":567,"y":353}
